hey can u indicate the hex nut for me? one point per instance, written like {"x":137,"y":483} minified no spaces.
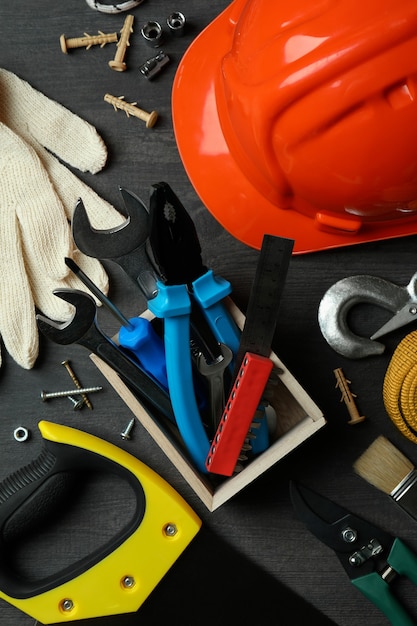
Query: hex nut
{"x":176,"y":23}
{"x":152,"y":34}
{"x":21,"y":434}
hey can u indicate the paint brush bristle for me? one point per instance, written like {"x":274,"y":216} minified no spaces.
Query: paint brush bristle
{"x":383,"y":465}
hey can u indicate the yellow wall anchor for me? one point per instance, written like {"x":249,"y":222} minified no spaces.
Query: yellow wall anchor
{"x":347,"y":396}
{"x":87,"y":41}
{"x":118,"y":63}
{"x":130,"y":108}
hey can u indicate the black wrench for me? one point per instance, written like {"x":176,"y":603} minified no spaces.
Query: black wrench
{"x":125,"y":244}
{"x":82,"y":329}
{"x":128,"y":245}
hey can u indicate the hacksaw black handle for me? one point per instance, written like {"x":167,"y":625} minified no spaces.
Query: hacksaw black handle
{"x":30,"y":497}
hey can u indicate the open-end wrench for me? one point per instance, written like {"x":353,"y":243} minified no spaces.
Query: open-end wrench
{"x":129,"y":246}
{"x":125,"y":244}
{"x":214,"y":372}
{"x":82,"y":329}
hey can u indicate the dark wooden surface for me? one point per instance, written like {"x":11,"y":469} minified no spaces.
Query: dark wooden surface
{"x":260,"y":521}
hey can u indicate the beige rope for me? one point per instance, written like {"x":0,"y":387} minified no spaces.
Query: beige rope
{"x":400,"y":387}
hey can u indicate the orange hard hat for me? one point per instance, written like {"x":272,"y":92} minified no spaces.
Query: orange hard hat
{"x":300,"y":120}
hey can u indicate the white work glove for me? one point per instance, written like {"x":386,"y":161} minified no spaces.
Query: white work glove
{"x":37,"y":197}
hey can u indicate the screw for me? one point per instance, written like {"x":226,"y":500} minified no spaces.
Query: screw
{"x":170,"y":530}
{"x":125,"y":434}
{"x":67,"y":604}
{"x":118,"y":63}
{"x":77,"y":383}
{"x":45,"y":395}
{"x":128,"y":582}
{"x":130,"y":108}
{"x":78,"y":404}
{"x":87,"y":41}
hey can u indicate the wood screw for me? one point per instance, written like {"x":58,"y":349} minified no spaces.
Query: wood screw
{"x":47,"y":395}
{"x":125,"y":434}
{"x":118,"y":63}
{"x":77,"y":404}
{"x":77,"y":383}
{"x":87,"y":41}
{"x":130,"y":108}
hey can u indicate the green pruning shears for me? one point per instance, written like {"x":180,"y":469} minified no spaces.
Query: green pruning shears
{"x":371,"y":557}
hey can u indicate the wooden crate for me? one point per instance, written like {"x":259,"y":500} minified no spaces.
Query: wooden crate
{"x":298,"y":417}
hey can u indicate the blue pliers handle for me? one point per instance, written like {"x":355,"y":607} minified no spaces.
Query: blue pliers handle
{"x":209,"y":290}
{"x":173,"y":305}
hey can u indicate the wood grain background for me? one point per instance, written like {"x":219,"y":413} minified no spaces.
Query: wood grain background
{"x":260,"y":521}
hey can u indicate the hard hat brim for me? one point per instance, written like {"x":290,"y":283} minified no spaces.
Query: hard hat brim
{"x":217,"y":178}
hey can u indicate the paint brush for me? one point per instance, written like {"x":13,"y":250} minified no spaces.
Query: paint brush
{"x":389,"y":470}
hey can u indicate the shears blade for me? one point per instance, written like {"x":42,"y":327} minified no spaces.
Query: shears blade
{"x":339,"y":529}
{"x":321,"y":516}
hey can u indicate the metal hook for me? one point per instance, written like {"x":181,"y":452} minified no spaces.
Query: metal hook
{"x":346,"y":293}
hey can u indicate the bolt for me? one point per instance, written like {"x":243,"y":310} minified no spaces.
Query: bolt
{"x":47,"y":395}
{"x":77,"y":383}
{"x":118,"y":63}
{"x":87,"y":41}
{"x":355,"y":559}
{"x":130,"y":108}
{"x":125,"y":434}
{"x":78,"y":404}
{"x":349,"y":535}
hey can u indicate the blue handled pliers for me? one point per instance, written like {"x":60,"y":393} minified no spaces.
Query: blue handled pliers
{"x":185,"y":282}
{"x":372,"y":557}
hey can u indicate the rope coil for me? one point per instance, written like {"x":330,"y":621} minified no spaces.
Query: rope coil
{"x":400,"y":387}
